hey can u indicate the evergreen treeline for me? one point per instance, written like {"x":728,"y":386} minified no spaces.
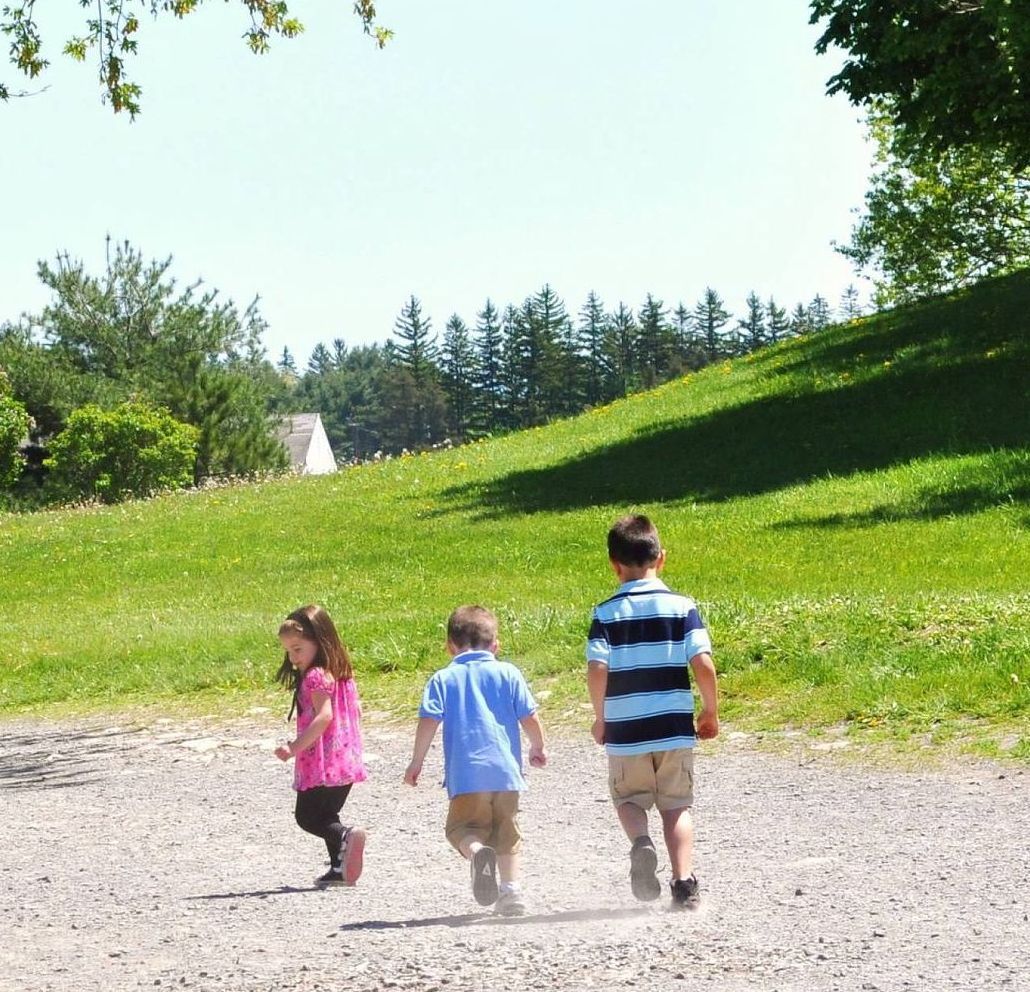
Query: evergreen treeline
{"x":520,"y":366}
{"x":122,"y":347}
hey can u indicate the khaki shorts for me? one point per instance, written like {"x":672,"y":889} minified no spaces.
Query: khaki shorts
{"x":490,"y":817}
{"x":659,"y":778}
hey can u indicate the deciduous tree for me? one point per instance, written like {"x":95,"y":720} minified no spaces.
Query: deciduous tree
{"x":951,"y":74}
{"x":109,"y":35}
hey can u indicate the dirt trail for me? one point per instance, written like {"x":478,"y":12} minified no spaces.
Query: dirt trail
{"x":166,"y":857}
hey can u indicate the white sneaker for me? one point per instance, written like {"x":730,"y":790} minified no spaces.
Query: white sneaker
{"x":510,"y":903}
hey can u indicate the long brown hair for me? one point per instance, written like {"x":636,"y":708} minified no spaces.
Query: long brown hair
{"x":312,"y":623}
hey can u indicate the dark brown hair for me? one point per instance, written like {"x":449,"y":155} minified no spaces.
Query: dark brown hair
{"x":313,"y":624}
{"x":633,"y":541}
{"x":472,"y":627}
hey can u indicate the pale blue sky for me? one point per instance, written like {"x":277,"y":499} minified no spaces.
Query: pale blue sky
{"x":495,"y":145}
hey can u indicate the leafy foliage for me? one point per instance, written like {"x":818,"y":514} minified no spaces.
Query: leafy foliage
{"x":934,"y":223}
{"x":132,"y":332}
{"x":14,"y":426}
{"x":110,"y":35}
{"x":132,"y":450}
{"x":955,"y":74}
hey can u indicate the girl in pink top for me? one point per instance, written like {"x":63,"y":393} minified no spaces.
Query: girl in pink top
{"x":327,"y":749}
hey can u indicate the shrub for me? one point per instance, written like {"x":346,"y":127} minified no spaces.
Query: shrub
{"x":14,"y":426}
{"x":132,"y":450}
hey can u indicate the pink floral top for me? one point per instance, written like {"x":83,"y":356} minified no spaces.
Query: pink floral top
{"x":337,"y":757}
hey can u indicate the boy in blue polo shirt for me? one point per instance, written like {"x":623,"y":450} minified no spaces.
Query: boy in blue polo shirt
{"x":640,"y":645}
{"x":482,"y":702}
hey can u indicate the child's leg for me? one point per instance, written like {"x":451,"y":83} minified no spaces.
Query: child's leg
{"x":679,"y":839}
{"x":468,"y":846}
{"x":633,"y":819}
{"x":483,"y":865}
{"x":505,"y":835}
{"x":633,"y":790}
{"x":318,"y":812}
{"x":508,"y":868}
{"x":507,"y":838}
{"x":675,"y":777}
{"x":468,"y":827}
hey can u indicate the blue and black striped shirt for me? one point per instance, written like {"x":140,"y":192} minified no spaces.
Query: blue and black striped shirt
{"x":646,"y":635}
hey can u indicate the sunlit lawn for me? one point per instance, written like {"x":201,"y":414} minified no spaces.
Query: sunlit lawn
{"x":850,"y":512}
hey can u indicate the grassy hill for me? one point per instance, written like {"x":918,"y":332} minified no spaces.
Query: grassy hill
{"x":851,"y":511}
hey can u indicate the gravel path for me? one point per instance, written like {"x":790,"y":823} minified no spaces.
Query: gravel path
{"x":167,"y":857}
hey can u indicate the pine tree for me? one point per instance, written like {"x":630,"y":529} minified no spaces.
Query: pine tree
{"x":777,"y":321}
{"x":339,"y":352}
{"x":752,"y":327}
{"x":799,"y":321}
{"x":544,"y":318}
{"x":410,"y":415}
{"x":489,"y":380}
{"x":681,"y":326}
{"x":592,"y":328}
{"x":416,"y":350}
{"x":286,"y":364}
{"x":459,"y":374}
{"x":571,"y":370}
{"x":710,"y":316}
{"x":620,"y":353}
{"x":818,"y":313}
{"x":321,"y":361}
{"x":416,"y":354}
{"x":514,"y":348}
{"x":850,"y":307}
{"x":654,"y":340}
{"x":689,"y":347}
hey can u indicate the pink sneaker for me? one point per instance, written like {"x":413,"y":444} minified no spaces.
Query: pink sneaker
{"x":353,"y":855}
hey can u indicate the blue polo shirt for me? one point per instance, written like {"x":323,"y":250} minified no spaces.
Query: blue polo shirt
{"x":480,"y":701}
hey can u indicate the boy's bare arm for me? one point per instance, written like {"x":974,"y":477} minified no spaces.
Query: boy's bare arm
{"x":535,"y":732}
{"x":707,"y":721}
{"x":597,"y":685}
{"x":424,"y":733}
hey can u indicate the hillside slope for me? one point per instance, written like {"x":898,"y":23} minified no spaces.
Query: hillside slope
{"x":851,"y":511}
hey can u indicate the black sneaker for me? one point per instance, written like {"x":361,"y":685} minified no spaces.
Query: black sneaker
{"x":685,"y":893}
{"x":643,"y":863}
{"x":332,"y":877}
{"x":484,"y":876}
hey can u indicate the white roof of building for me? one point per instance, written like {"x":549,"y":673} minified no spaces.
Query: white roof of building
{"x":295,"y":431}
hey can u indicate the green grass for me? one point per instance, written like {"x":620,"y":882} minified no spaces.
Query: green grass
{"x":851,"y":511}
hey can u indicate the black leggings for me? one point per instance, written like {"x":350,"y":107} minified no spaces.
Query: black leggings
{"x":318,"y":812}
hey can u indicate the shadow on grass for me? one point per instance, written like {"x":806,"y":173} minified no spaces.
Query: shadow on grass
{"x":930,"y":504}
{"x":946,"y":392}
{"x":492,"y":919}
{"x":41,"y":760}
{"x":773,"y":443}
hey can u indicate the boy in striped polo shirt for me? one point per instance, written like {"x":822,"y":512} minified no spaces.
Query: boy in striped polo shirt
{"x":640,"y":645}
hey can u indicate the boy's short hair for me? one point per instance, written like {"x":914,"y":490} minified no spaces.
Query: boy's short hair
{"x":633,"y":540}
{"x":472,"y":627}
